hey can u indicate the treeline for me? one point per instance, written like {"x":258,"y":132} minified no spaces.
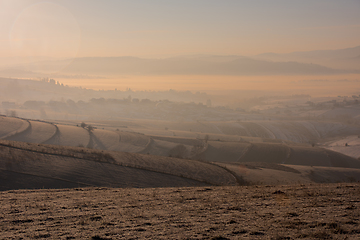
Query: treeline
{"x":65,"y":105}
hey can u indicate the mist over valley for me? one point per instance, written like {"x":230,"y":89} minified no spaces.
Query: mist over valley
{"x":179,"y":120}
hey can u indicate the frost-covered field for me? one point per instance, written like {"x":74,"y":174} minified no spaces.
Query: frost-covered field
{"x":38,"y":132}
{"x":26,"y":165}
{"x":349,"y":146}
{"x":316,"y":211}
{"x":10,"y":126}
{"x":70,"y":136}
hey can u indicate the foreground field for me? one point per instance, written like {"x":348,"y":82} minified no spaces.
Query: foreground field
{"x":317,"y":211}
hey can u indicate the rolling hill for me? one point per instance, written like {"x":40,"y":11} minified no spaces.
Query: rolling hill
{"x":27,"y":165}
{"x":38,"y":154}
{"x":192,"y":65}
{"x":346,"y":58}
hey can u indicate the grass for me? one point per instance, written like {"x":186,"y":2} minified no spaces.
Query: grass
{"x":182,"y":213}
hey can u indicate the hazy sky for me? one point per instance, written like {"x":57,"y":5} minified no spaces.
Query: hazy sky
{"x":70,"y":28}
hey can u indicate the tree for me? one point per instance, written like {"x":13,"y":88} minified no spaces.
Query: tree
{"x":208,"y":103}
{"x":83,"y":125}
{"x":11,"y":113}
{"x":43,"y":114}
{"x":90,"y":128}
{"x":206,"y":138}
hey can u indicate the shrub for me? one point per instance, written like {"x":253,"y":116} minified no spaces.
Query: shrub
{"x":179,"y":151}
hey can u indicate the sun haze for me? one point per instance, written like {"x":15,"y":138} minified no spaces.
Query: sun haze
{"x":223,"y":112}
{"x":158,"y":28}
{"x":33,"y":31}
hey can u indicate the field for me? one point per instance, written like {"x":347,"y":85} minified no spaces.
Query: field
{"x":119,"y":141}
{"x":37,"y":132}
{"x":33,"y":166}
{"x":70,"y":136}
{"x":179,"y":119}
{"x":349,"y":145}
{"x":12,"y":126}
{"x":166,"y":180}
{"x":65,"y":155}
{"x":25,"y":165}
{"x":316,"y":211}
{"x":207,"y":141}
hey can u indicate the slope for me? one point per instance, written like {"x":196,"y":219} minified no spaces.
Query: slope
{"x":26,"y":165}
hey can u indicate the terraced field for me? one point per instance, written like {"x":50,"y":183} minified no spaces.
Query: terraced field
{"x":26,"y":165}
{"x":70,"y":136}
{"x":349,"y":146}
{"x":108,"y":139}
{"x":258,"y":144}
{"x":223,"y":151}
{"x":11,"y":126}
{"x":38,"y":132}
{"x":292,"y":131}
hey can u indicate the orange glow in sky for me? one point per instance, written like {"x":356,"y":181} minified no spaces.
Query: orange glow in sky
{"x":66,"y":29}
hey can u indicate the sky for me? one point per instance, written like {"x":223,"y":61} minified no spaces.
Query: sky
{"x":165,"y":28}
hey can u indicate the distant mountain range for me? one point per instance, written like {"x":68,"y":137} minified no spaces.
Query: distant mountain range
{"x":211,"y":65}
{"x":322,"y":62}
{"x":348,"y":58}
{"x":324,"y":54}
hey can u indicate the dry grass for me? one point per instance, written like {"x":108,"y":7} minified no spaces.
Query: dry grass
{"x":315,"y":211}
{"x":246,"y":142}
{"x":26,"y":165}
{"x":37,"y":133}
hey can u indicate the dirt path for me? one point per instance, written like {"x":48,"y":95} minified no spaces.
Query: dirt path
{"x":326,"y":211}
